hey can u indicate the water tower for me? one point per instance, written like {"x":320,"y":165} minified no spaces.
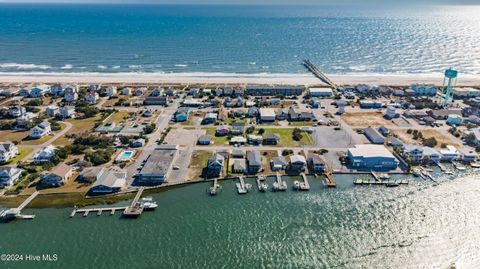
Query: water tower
{"x":447,"y":89}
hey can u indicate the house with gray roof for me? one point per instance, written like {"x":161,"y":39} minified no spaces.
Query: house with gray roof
{"x":109,"y":180}
{"x":254,"y":160}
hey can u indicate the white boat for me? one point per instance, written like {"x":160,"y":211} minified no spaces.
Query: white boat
{"x":212,"y":191}
{"x":296,"y":184}
{"x":384,"y":176}
{"x":459,"y":166}
{"x":448,"y":172}
{"x":416,"y":172}
{"x":148,"y":203}
{"x":475,"y":164}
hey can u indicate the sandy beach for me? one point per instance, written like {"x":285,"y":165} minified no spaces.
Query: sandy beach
{"x":229,"y":78}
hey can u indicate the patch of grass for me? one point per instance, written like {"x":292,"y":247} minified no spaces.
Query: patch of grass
{"x":198,"y":163}
{"x":217,"y":140}
{"x":12,"y":135}
{"x":79,"y":126}
{"x":301,"y":123}
{"x":366,"y":119}
{"x":117,"y":117}
{"x":22,"y":153}
{"x":286,"y":137}
{"x":39,"y":141}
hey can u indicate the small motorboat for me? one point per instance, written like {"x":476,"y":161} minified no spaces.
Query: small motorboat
{"x":296,"y":184}
{"x":384,"y":176}
{"x":416,"y":172}
{"x":148,"y":203}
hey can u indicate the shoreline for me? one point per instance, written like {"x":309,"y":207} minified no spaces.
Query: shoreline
{"x":230,"y":78}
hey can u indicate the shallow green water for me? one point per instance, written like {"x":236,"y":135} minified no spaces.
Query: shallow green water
{"x":415,"y":226}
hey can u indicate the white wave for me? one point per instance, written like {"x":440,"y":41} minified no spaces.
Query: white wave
{"x":181,"y":65}
{"x":134,"y":66}
{"x":101,"y":67}
{"x":67,"y":66}
{"x":116,"y":67}
{"x":24,"y":66}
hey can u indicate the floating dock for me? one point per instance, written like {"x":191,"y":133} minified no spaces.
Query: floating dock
{"x":279,"y":184}
{"x":310,"y":66}
{"x":99,"y":210}
{"x":329,"y":181}
{"x":15,"y":213}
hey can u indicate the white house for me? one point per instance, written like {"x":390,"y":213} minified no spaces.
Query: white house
{"x":91,"y":97}
{"x":52,"y":111}
{"x":17,"y":111}
{"x":424,"y":89}
{"x":126,"y":91}
{"x":450,"y":153}
{"x":41,"y":130}
{"x":39,"y":91}
{"x":320,"y":92}
{"x":109,"y":180}
{"x":71,"y":93}
{"x":57,"y":176}
{"x":9,"y":176}
{"x":45,"y":155}
{"x":267,"y":114}
{"x":111,"y":91}
{"x":8,"y":150}
{"x":67,"y":112}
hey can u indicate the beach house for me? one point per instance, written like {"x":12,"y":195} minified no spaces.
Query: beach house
{"x":215,"y":165}
{"x":57,"y":90}
{"x":71,"y":94}
{"x":41,"y":130}
{"x":91,"y":98}
{"x":66,"y":112}
{"x":39,"y":91}
{"x":17,"y":111}
{"x":45,"y":155}
{"x":111,"y":91}
{"x":109,"y":180}
{"x":9,"y":175}
{"x":57,"y":176}
{"x":52,"y":111}
{"x":449,"y":153}
{"x":254,"y":160}
{"x":316,"y":162}
{"x":278,"y":163}
{"x":297,"y":162}
{"x":8,"y":150}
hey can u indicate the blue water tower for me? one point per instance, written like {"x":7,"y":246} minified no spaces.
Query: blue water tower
{"x":449,"y":83}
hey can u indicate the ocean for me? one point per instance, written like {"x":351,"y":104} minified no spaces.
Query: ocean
{"x":102,"y":38}
{"x":420,"y":226}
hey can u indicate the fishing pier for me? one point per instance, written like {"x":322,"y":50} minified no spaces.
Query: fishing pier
{"x":312,"y":68}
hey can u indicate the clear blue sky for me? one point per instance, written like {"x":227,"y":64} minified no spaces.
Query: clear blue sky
{"x":250,"y":2}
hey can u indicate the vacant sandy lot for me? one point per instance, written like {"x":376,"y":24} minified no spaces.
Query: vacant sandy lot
{"x":366,"y":119}
{"x":441,"y":138}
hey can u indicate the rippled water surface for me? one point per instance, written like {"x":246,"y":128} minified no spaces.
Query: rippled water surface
{"x":417,"y":226}
{"x":239,"y":39}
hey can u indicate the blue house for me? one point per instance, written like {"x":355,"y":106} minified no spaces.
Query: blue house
{"x":181,"y":115}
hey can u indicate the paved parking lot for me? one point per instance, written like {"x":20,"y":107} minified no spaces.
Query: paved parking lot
{"x":328,"y":137}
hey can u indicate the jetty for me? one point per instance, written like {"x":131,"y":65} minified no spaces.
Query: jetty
{"x":15,"y":213}
{"x":279,"y":184}
{"x":312,"y":68}
{"x":261,"y":183}
{"x":329,"y":181}
{"x":242,"y":187}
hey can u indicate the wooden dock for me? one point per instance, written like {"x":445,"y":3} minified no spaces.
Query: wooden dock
{"x":261,"y":183}
{"x":304,"y":186}
{"x":279,"y":184}
{"x":135,"y":209}
{"x":99,"y":210}
{"x":310,"y":66}
{"x":214,"y":189}
{"x":329,"y":181}
{"x":360,"y":181}
{"x":15,"y":213}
